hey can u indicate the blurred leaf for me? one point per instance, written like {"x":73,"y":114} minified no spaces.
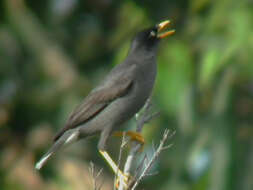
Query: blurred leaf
{"x":210,"y":65}
{"x":174,"y":74}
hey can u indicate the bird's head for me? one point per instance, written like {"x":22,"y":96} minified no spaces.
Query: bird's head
{"x":148,"y":39}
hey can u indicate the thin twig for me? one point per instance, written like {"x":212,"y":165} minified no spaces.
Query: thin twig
{"x":140,"y":167}
{"x":95,"y":176}
{"x":160,"y":148}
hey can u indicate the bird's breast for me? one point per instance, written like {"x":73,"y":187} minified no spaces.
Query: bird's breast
{"x":140,"y":91}
{"x":144,"y":84}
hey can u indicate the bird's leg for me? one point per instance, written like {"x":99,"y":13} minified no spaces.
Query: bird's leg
{"x":101,"y":146}
{"x":115,"y":168}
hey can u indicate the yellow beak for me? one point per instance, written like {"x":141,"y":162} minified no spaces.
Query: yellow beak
{"x":163,"y":25}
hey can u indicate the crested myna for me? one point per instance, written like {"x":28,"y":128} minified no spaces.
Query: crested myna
{"x":117,"y":98}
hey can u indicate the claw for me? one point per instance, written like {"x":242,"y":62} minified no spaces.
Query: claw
{"x":135,"y":136}
{"x":125,"y":181}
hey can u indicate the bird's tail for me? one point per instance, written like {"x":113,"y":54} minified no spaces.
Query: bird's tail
{"x":67,"y":138}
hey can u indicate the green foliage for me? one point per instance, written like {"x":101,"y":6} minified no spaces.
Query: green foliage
{"x":53,"y":52}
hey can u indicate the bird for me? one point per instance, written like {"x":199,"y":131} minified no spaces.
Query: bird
{"x":121,"y":94}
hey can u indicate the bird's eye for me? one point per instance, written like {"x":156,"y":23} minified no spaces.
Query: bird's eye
{"x":152,"y":33}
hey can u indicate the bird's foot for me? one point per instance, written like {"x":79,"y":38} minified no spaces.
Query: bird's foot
{"x":125,"y":180}
{"x":134,"y":136}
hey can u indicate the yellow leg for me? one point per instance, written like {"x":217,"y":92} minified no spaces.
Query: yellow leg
{"x":116,"y":170}
{"x":132,"y":134}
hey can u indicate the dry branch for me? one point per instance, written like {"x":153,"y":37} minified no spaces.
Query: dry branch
{"x":142,"y":118}
{"x":95,"y":175}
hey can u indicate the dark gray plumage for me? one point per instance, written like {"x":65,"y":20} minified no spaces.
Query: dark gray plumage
{"x":122,"y":94}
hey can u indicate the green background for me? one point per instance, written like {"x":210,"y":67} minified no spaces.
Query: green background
{"x":52,"y":53}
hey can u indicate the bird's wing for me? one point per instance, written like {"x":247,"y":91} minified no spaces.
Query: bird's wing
{"x":114,"y":87}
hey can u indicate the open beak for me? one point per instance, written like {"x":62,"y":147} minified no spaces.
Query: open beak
{"x":163,"y":25}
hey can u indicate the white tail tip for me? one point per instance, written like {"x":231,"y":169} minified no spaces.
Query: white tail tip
{"x":42,"y":161}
